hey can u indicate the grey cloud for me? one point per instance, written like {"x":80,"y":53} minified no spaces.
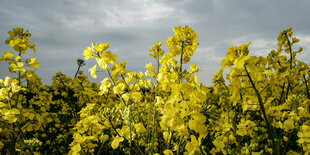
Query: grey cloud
{"x":62,"y":29}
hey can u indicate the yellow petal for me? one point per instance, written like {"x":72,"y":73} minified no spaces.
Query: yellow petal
{"x":87,"y":53}
{"x":168,"y":152}
{"x":93,"y":71}
{"x":116,"y":142}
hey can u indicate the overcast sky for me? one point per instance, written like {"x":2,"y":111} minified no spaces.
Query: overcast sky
{"x":61,"y":29}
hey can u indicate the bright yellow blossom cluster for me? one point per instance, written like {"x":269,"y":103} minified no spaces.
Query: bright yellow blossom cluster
{"x":265,"y":100}
{"x":182,"y":43}
{"x":260,"y":107}
{"x":19,"y":40}
{"x":157,"y":51}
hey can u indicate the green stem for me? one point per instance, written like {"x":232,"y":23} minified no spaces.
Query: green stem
{"x":227,"y":145}
{"x":19,"y":74}
{"x":157,"y":58}
{"x":81,"y":83}
{"x":130,"y":130}
{"x":110,"y":76}
{"x":170,"y":140}
{"x":282,"y":93}
{"x":270,"y":133}
{"x":181,"y":63}
{"x":114,"y":129}
{"x":154,"y":123}
{"x":77,"y":71}
{"x":154,"y":109}
{"x":148,"y":124}
{"x":290,"y":48}
{"x":180,"y":140}
{"x":307,"y":88}
{"x":291,"y":63}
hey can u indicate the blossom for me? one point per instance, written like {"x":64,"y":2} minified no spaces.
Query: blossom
{"x":116,"y":141}
{"x":88,"y":53}
{"x":93,"y":71}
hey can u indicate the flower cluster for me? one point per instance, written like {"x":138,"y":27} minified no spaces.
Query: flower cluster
{"x":260,"y":107}
{"x":265,"y":101}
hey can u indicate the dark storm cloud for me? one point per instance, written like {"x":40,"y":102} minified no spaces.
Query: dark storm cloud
{"x":61,"y":29}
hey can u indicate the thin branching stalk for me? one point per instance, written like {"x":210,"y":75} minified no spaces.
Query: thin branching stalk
{"x":179,"y":145}
{"x":77,"y":71}
{"x":110,"y":76}
{"x":291,"y":64}
{"x":181,"y":63}
{"x":227,"y":145}
{"x":307,"y":88}
{"x":154,"y":108}
{"x":270,"y":132}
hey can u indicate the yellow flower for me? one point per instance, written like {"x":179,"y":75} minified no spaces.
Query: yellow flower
{"x":104,"y":138}
{"x":168,"y":152}
{"x":119,"y":88}
{"x":100,"y":47}
{"x":33,"y":62}
{"x":295,"y":40}
{"x":140,"y":128}
{"x":197,"y":123}
{"x":126,"y":97}
{"x":136,"y":96}
{"x":116,"y":142}
{"x":88,"y":53}
{"x":193,"y":69}
{"x":183,"y":42}
{"x":157,"y":51}
{"x":289,"y":125}
{"x":7,"y":55}
{"x":18,"y":58}
{"x":246,"y":127}
{"x":239,"y":63}
{"x":10,"y":115}
{"x":125,"y":131}
{"x":219,"y":145}
{"x":76,"y":149}
{"x":104,"y":86}
{"x":17,"y":67}
{"x":93,"y":71}
{"x":193,"y":146}
{"x":105,"y":59}
{"x":149,"y":70}
{"x":7,"y":81}
{"x":304,"y":134}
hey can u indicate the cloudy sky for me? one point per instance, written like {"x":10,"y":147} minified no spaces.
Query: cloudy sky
{"x":61,"y":29}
